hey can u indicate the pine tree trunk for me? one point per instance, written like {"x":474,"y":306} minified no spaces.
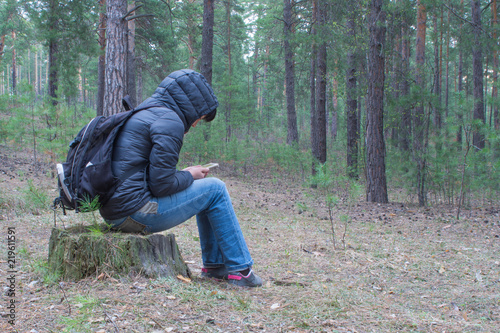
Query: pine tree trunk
{"x":334,"y":118}
{"x":376,"y":187}
{"x":53,"y":72}
{"x":447,"y":75}
{"x":460,"y":89}
{"x":140,"y":83}
{"x":131,"y":63}
{"x":405,"y":130}
{"x":101,"y":67}
{"x":312,"y":89}
{"x":192,"y":32}
{"x":477,"y":73}
{"x":394,"y":36}
{"x":14,"y":65}
{"x":255,"y":88}
{"x":437,"y":79}
{"x":28,"y":70}
{"x":36,"y":84}
{"x":83,"y":251}
{"x":321,"y":83}
{"x":292,"y":133}
{"x":116,"y":51}
{"x":207,"y":44}
{"x":80,"y":86}
{"x":2,"y":39}
{"x":255,"y":72}
{"x":229,"y":73}
{"x":440,"y":72}
{"x":494,"y":93}
{"x":419,"y":116}
{"x":351,"y":98}
{"x":207,"y":40}
{"x":263,"y":91}
{"x":460,"y":77}
{"x":2,"y":46}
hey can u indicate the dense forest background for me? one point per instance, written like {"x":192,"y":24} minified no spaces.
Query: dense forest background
{"x":400,"y":96}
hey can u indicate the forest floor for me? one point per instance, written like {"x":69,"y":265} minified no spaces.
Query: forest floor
{"x":403,"y":268}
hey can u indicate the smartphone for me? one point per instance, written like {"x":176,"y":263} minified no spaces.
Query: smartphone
{"x":210,"y":165}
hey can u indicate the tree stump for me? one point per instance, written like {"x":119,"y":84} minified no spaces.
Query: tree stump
{"x":81,"y":251}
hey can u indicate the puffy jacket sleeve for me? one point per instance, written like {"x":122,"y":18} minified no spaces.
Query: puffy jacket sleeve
{"x":167,"y":134}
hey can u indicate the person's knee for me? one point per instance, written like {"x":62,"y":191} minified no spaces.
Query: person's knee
{"x":210,"y":184}
{"x":215,"y":183}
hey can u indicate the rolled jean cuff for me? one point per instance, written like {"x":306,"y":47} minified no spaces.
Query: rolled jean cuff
{"x":211,"y":266}
{"x":233,"y":269}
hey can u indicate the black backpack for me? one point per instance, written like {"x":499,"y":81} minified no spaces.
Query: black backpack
{"x":86,"y":180}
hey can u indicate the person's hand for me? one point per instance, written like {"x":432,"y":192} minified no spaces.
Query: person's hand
{"x":197,"y":171}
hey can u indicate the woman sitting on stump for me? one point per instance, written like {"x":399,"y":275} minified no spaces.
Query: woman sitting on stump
{"x":158,"y":197}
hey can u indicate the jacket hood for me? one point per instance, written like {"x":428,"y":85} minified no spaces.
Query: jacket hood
{"x":188,"y":94}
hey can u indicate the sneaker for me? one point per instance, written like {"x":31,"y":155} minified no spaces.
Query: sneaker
{"x":251,"y":280}
{"x":219,"y":273}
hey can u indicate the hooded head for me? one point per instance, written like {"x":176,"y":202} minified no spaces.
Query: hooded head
{"x":188,"y":94}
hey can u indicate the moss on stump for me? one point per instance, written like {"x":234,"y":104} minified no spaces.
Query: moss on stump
{"x":81,"y":251}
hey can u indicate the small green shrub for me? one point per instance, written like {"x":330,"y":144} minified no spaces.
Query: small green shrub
{"x":35,"y":198}
{"x":336,"y":189}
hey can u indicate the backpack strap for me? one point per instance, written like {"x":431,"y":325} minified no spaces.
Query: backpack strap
{"x":127,"y":103}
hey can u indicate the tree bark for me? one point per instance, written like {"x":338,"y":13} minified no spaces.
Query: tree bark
{"x":52,"y":69}
{"x":440,"y":72}
{"x":2,"y":39}
{"x":131,"y":63}
{"x":419,"y":116}
{"x":394,"y":39}
{"x":321,"y":83}
{"x":437,"y":78}
{"x":53,"y":72}
{"x":82,"y":251}
{"x":101,"y":67}
{"x":405,"y":131}
{"x":255,"y":72}
{"x":477,"y":73}
{"x":292,"y":132}
{"x":229,"y":72}
{"x":36,"y":84}
{"x":192,"y":31}
{"x":14,"y":65}
{"x":494,"y":93}
{"x":460,"y":77}
{"x":334,"y":118}
{"x":207,"y":44}
{"x":207,"y":41}
{"x":312,"y":89}
{"x":376,"y":187}
{"x":351,"y":97}
{"x":263,"y":91}
{"x":116,"y":51}
{"x":140,"y":83}
{"x":447,"y":75}
{"x":2,"y":46}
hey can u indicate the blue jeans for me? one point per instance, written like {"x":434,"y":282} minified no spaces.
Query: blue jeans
{"x":221,"y":239}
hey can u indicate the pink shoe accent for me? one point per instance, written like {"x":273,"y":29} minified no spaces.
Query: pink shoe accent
{"x":234,"y":277}
{"x":204,"y":270}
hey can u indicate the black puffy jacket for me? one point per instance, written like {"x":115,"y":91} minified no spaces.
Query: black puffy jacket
{"x":151,"y":140}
